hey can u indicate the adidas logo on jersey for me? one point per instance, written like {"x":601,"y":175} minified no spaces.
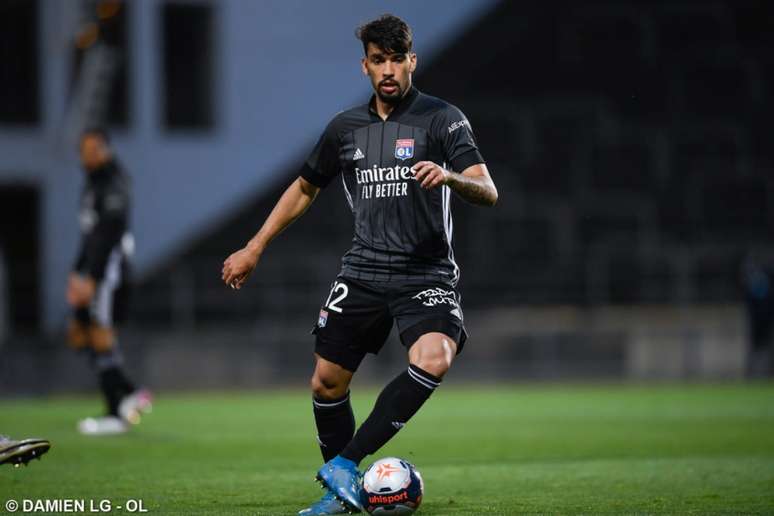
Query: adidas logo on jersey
{"x":358,"y":155}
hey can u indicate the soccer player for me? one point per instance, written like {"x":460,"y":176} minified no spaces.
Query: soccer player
{"x":97,"y":277}
{"x":399,"y":157}
{"x":21,"y":452}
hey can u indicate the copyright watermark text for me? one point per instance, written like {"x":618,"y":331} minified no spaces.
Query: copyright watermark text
{"x":73,"y":505}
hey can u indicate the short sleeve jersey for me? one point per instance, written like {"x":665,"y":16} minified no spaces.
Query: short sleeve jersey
{"x":103,"y":217}
{"x":402,"y":231}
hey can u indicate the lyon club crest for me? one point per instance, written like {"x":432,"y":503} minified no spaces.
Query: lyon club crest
{"x":404,"y":149}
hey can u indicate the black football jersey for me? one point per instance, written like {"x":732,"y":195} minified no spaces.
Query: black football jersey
{"x":104,"y":220}
{"x":402,"y":231}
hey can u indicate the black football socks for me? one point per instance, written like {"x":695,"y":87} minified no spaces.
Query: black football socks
{"x":396,"y":404}
{"x":112,"y":380}
{"x":335,"y":425}
{"x":114,"y":386}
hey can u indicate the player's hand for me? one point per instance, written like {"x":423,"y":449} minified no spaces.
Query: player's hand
{"x":238,"y":266}
{"x":80,"y":290}
{"x":430,"y":175}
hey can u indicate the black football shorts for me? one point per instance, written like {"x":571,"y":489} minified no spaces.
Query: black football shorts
{"x":357,"y":317}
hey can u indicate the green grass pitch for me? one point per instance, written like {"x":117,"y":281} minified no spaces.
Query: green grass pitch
{"x":558,"y":449}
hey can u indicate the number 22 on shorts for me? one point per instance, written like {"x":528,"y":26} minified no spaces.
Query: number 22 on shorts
{"x":342,"y":290}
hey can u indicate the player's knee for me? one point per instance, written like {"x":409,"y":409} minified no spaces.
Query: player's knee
{"x":77,"y":334}
{"x":433,"y":353}
{"x":326,"y":387}
{"x":330,"y":381}
{"x":435,"y":362}
{"x":436,"y":365}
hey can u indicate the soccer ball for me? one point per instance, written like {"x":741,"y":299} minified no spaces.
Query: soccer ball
{"x":391,"y":486}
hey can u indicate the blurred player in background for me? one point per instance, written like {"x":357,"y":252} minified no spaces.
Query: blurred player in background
{"x":21,"y":452}
{"x":400,"y":156}
{"x":758,"y":284}
{"x":97,"y":284}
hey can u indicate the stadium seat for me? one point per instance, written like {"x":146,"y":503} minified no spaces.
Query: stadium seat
{"x":736,"y":209}
{"x":710,"y":88}
{"x":622,"y":167}
{"x":709,"y":26}
{"x":614,"y":39}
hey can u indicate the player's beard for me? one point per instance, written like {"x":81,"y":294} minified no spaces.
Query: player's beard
{"x":392,"y":98}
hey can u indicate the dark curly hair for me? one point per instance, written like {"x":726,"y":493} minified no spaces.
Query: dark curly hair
{"x":388,"y":32}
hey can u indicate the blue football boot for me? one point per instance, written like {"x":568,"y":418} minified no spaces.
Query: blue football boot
{"x":328,"y":504}
{"x":341,"y":477}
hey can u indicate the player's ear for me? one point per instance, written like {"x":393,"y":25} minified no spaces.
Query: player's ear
{"x":363,"y":66}
{"x":412,"y":62}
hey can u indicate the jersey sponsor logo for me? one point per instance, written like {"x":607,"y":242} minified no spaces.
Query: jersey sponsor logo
{"x":323,"y":319}
{"x":358,"y":155}
{"x":458,"y":124}
{"x":404,"y":149}
{"x":377,"y":182}
{"x":381,"y":174}
{"x":436,"y":296}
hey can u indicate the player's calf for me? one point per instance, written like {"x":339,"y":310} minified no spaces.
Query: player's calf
{"x":332,"y":410}
{"x":396,"y":404}
{"x":335,"y":425}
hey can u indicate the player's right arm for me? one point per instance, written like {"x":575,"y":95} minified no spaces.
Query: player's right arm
{"x":293,"y":203}
{"x":78,"y":293}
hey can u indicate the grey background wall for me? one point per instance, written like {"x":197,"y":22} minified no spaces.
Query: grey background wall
{"x":280,"y":70}
{"x":630,"y":142}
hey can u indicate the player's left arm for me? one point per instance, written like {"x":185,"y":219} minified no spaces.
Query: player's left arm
{"x":468,"y":175}
{"x":474,"y":184}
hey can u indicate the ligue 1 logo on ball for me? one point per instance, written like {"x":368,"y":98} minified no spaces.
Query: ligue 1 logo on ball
{"x":404,"y":149}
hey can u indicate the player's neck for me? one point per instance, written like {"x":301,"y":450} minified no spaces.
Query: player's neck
{"x":383,"y":109}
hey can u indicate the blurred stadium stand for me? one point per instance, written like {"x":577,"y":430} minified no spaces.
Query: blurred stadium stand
{"x":631,"y":146}
{"x":208,"y":103}
{"x":623,"y":139}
